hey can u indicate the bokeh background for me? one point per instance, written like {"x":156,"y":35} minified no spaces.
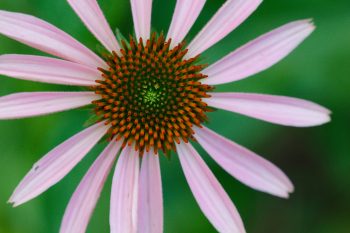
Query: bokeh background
{"x":316,"y":159}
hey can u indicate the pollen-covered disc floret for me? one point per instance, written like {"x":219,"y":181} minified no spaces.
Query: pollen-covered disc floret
{"x":150,"y":95}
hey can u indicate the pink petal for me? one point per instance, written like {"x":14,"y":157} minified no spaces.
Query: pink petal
{"x":142,"y":12}
{"x":260,"y":54}
{"x":57,"y":164}
{"x":150,"y":202}
{"x":186,"y":13}
{"x":84,"y":199}
{"x":28,"y":104}
{"x":276,"y":109}
{"x":47,"y":38}
{"x":211,"y":197}
{"x":229,"y":17}
{"x":92,"y":16}
{"x":48,"y":70}
{"x":123,"y":213}
{"x":244,"y":165}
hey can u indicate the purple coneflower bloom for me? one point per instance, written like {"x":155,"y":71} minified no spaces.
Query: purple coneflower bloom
{"x":150,"y":94}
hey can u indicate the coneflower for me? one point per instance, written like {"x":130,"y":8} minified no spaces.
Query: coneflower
{"x":150,"y":95}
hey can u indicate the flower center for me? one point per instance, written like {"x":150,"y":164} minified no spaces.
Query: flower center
{"x":151,"y":96}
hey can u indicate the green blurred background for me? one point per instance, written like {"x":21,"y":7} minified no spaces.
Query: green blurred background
{"x":316,"y":159}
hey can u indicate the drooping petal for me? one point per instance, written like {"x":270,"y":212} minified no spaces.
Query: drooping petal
{"x":123,"y":213}
{"x":260,"y":54}
{"x":229,"y":17}
{"x":47,"y":70}
{"x":30,"y":104}
{"x":47,"y":38}
{"x":92,"y":16}
{"x":150,"y":198}
{"x":186,"y":13}
{"x":244,"y":165}
{"x":276,"y":109}
{"x":210,"y":196}
{"x":142,"y":12}
{"x":57,"y":164}
{"x":85,"y":197}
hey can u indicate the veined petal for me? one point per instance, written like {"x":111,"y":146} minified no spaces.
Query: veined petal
{"x":92,"y":16}
{"x":142,"y":12}
{"x":260,"y":54}
{"x":57,"y":164}
{"x":186,"y":13}
{"x":275,"y":109}
{"x":229,"y":17}
{"x":150,"y":199}
{"x":123,"y":213}
{"x":210,"y":196}
{"x":47,"y":70}
{"x":30,"y":104}
{"x":85,"y":197}
{"x":244,"y":165}
{"x":43,"y":36}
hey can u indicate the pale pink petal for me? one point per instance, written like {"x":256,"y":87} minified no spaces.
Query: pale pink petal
{"x":150,"y":198}
{"x":244,"y":165}
{"x":92,"y":16}
{"x":275,"y":109}
{"x":30,"y":104}
{"x":46,"y":37}
{"x":48,"y":70}
{"x":186,"y":13}
{"x":57,"y":164}
{"x":210,"y":196}
{"x":142,"y":12}
{"x":123,"y":212}
{"x":229,"y":17}
{"x":85,"y":197}
{"x":260,"y":54}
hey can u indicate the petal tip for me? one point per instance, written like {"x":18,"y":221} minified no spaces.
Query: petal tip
{"x":286,"y":192}
{"x":291,"y":188}
{"x":283,"y":193}
{"x":309,"y":23}
{"x":327,"y":119}
{"x":323,"y":119}
{"x":285,"y":196}
{"x":320,"y":116}
{"x":13,"y":202}
{"x":10,"y":202}
{"x":282,"y":190}
{"x":11,"y":199}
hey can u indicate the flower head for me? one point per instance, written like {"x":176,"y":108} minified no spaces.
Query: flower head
{"x":150,"y":95}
